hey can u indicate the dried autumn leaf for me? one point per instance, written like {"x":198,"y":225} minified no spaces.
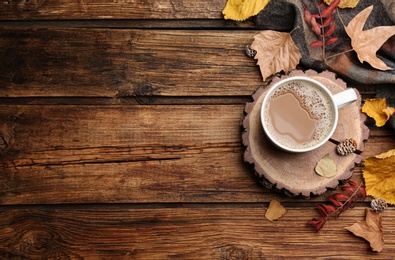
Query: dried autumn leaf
{"x":377,"y":109}
{"x":345,"y":3}
{"x":366,"y":43}
{"x":341,"y":202}
{"x":370,"y":230}
{"x":276,"y":51}
{"x":275,"y":210}
{"x":326,"y":167}
{"x":379,"y":176}
{"x":240,"y":10}
{"x":389,"y":111}
{"x":386,"y":154}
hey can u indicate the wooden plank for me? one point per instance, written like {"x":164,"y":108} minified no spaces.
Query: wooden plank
{"x":206,"y":232}
{"x":218,"y":177}
{"x":44,"y":128}
{"x":139,"y":154}
{"x":140,"y":65}
{"x":125,"y":63}
{"x":111,"y":9}
{"x":90,"y":154}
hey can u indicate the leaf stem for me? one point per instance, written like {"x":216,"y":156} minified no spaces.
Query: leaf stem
{"x":322,"y":32}
{"x":336,"y":213}
{"x":294,"y":29}
{"x":340,"y":17}
{"x":337,"y":54}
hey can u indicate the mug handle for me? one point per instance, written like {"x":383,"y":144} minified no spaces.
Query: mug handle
{"x":345,"y":98}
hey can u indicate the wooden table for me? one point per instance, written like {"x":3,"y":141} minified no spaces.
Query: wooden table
{"x":120,"y":139}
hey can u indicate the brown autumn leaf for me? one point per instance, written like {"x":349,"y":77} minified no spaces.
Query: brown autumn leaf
{"x":275,"y":210}
{"x":370,"y":230}
{"x":366,"y":43}
{"x":276,"y":52}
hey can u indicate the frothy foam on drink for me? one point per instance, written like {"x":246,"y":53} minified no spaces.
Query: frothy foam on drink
{"x":315,"y":101}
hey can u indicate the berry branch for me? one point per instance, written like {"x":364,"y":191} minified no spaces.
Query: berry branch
{"x":340,"y":202}
{"x":323,"y":25}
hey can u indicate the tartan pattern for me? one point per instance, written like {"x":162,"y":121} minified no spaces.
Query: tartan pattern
{"x":286,"y":15}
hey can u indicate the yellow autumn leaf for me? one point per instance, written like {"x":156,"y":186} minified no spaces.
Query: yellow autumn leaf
{"x":377,"y":109}
{"x":345,"y":3}
{"x":386,"y":154}
{"x":379,"y":176}
{"x":240,"y":10}
{"x":275,"y":210}
{"x":389,"y":111}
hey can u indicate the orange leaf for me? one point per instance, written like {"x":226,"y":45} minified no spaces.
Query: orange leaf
{"x":275,"y":210}
{"x":370,"y":230}
{"x":276,"y":52}
{"x":366,"y":43}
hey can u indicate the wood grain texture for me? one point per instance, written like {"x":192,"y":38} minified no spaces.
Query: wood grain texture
{"x":207,"y":232}
{"x":125,"y":63}
{"x":137,"y":154}
{"x":107,"y":9}
{"x":120,"y":139}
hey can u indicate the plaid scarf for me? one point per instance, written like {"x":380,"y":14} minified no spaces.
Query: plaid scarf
{"x":287,"y":15}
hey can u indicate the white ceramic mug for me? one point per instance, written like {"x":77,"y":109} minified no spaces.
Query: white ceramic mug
{"x":299,"y":114}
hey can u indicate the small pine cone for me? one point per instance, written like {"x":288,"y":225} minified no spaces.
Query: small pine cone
{"x":249,"y":52}
{"x":346,"y":147}
{"x":378,"y":204}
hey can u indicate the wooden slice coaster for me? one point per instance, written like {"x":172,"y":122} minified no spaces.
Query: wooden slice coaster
{"x":293,"y":173}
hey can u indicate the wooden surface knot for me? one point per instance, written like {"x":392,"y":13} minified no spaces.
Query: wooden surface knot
{"x":30,"y":5}
{"x":145,"y":90}
{"x":236,"y":252}
{"x":3,"y":143}
{"x":7,"y":133}
{"x":43,"y":242}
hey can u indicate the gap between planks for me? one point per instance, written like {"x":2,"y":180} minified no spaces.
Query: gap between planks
{"x":290,"y":203}
{"x":164,"y":24}
{"x":128,"y":100}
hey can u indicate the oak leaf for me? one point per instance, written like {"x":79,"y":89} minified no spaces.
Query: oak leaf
{"x":377,"y":109}
{"x":275,"y":210}
{"x":370,"y":229}
{"x":276,"y":52}
{"x":379,"y":176}
{"x":344,"y":3}
{"x":366,"y":43}
{"x":240,"y":10}
{"x":326,"y":167}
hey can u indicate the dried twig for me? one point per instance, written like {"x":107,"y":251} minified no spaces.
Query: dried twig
{"x":323,"y":25}
{"x":340,"y":202}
